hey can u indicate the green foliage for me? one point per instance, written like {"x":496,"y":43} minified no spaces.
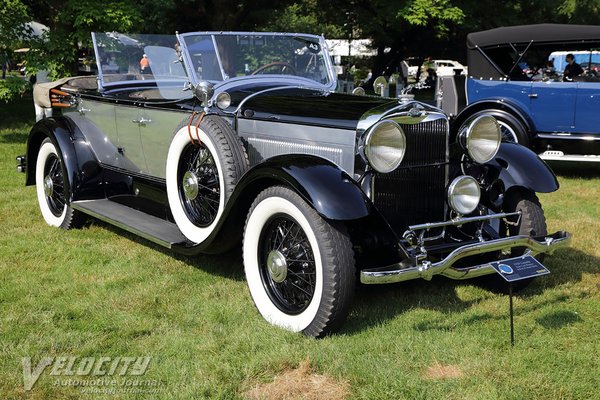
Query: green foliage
{"x":13,"y":87}
{"x":13,"y":15}
{"x":440,"y":13}
{"x":580,"y":11}
{"x":303,"y":16}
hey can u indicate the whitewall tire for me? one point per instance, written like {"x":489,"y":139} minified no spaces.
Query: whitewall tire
{"x":299,"y":267}
{"x":52,"y":189}
{"x":202,"y":175}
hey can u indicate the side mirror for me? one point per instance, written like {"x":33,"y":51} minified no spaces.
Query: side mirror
{"x":358,"y":91}
{"x":379,"y":85}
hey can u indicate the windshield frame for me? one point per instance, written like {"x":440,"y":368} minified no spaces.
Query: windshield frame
{"x":332,"y":79}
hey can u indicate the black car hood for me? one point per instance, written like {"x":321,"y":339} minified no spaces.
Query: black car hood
{"x":307,"y":106}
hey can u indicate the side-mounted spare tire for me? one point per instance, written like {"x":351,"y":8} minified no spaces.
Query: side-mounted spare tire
{"x":203,"y":166}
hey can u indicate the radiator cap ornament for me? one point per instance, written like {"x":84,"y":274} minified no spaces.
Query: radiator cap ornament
{"x":416,"y":111}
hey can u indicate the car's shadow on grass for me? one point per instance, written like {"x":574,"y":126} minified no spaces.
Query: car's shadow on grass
{"x":13,"y":138}
{"x":227,"y":265}
{"x":377,"y":304}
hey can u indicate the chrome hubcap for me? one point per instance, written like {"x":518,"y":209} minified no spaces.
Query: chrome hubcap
{"x":277,"y":266}
{"x":190,"y":185}
{"x":48,"y":186}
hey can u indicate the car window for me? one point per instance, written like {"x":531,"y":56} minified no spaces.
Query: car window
{"x":219,"y":57}
{"x":151,"y":60}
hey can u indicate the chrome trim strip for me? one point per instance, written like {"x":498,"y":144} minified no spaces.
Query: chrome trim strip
{"x":462,"y":221}
{"x":426,"y":269}
{"x":569,"y":157}
{"x":589,"y":137}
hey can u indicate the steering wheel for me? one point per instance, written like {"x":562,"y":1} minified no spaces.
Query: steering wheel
{"x":281,"y":64}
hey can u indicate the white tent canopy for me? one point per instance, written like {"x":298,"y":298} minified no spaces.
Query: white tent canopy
{"x":355,"y":48}
{"x":35,"y":28}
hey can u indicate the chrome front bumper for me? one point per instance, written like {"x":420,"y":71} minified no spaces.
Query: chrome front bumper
{"x":425,"y":269}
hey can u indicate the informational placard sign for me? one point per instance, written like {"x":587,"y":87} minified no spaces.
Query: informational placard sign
{"x":518,"y":268}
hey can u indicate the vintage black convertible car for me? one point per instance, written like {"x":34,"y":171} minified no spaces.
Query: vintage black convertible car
{"x":202,"y":141}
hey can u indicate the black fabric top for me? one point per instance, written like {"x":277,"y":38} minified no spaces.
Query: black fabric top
{"x":537,"y":33}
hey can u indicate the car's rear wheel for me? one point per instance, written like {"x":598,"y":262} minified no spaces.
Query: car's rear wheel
{"x":203,"y":167}
{"x":52,"y":189}
{"x":299,"y":267}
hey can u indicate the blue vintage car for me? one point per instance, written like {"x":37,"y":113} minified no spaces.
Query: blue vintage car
{"x":517,"y":74}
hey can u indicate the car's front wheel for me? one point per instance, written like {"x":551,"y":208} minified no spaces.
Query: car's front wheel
{"x":53,"y":189}
{"x":299,"y":267}
{"x":531,"y":223}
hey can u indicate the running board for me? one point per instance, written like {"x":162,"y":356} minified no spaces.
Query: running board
{"x":144,"y":225}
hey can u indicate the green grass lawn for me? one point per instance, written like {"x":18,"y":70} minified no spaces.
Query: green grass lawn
{"x":100,"y":292}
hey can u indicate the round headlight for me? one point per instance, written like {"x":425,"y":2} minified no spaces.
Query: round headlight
{"x":385,"y":146}
{"x":223,"y":100}
{"x":481,"y":138}
{"x":464,"y":194}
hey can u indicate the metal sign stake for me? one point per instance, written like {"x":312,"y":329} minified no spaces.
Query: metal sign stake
{"x":512,"y":324}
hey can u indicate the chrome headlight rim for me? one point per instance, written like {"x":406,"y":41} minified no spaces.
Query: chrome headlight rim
{"x":460,"y":183}
{"x":473,"y":144}
{"x":369,"y":153}
{"x":223,"y":100}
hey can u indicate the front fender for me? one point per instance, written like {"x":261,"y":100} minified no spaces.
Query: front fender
{"x":516,"y":165}
{"x":329,"y":189}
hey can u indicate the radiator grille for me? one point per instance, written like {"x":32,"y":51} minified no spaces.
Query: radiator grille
{"x":416,"y":191}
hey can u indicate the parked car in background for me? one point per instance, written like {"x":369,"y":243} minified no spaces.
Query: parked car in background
{"x":449,"y":68}
{"x":218,"y":141}
{"x":511,"y":78}
{"x":588,"y":59}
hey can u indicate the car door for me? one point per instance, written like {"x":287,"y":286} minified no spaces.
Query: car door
{"x":553,"y":106}
{"x":587,"y":117}
{"x":129,"y":137}
{"x":157,"y":135}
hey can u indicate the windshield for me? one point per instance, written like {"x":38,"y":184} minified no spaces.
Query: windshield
{"x":150,"y":59}
{"x":223,"y":56}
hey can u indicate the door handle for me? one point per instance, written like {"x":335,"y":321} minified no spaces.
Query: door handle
{"x":533,"y":96}
{"x":82,"y":110}
{"x":142,"y":121}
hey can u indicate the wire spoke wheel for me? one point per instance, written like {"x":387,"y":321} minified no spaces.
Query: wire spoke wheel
{"x":53,"y":189}
{"x":54,"y":186}
{"x":199,"y":190}
{"x":287,"y":265}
